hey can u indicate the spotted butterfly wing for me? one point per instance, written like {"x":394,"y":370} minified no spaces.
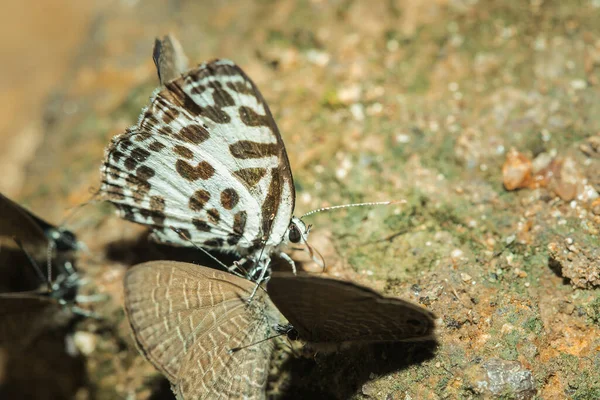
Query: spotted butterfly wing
{"x":329,"y":312}
{"x":186,"y":318}
{"x":205,"y":165}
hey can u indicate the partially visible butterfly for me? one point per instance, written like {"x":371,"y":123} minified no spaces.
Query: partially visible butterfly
{"x":33,"y":231}
{"x":40,"y":241}
{"x":196,"y":326}
{"x":26,"y":315}
{"x":36,"y":328}
{"x":43,"y":242}
{"x":38,"y":310}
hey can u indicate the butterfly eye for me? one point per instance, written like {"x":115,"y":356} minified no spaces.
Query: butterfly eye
{"x":295,"y":235}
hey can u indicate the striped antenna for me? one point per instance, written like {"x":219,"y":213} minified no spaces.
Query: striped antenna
{"x":374,"y":203}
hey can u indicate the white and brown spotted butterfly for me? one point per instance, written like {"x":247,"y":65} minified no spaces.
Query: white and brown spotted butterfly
{"x":206,"y":165}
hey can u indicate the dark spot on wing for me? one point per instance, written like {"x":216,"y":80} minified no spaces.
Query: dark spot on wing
{"x":248,"y":149}
{"x":157,"y":203}
{"x":252,"y":118}
{"x":202,"y":226}
{"x":220,"y":96}
{"x":217,"y":242}
{"x":142,"y":136}
{"x":229,"y":198}
{"x":165,"y":130}
{"x":144,"y":172}
{"x":202,"y":171}
{"x":193,"y":133}
{"x":250,"y":176}
{"x":239,"y":224}
{"x":241,"y":87}
{"x":156,"y":146}
{"x":199,"y":200}
{"x":183,"y":152}
{"x":214,"y":216}
{"x":271,"y":204}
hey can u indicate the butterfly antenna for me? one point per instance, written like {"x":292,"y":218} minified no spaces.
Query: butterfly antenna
{"x":35,"y":266}
{"x":373,"y":203}
{"x":236,"y":349}
{"x":215,"y":259}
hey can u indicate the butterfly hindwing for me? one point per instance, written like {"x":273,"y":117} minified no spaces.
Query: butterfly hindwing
{"x":186,"y":318}
{"x":326,"y":310}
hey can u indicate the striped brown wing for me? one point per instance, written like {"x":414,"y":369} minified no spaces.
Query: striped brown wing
{"x":204,"y":158}
{"x":25,"y":316}
{"x":185,"y":318}
{"x":325,"y":310}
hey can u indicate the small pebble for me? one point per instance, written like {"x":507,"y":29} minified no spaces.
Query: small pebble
{"x":516,"y":171}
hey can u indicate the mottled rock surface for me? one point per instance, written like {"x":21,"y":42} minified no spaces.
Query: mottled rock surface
{"x":393,"y":100}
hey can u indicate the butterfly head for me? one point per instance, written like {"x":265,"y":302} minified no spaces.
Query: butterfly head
{"x":297,"y":232}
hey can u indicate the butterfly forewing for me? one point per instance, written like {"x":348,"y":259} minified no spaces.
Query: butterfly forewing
{"x":186,"y":318}
{"x":16,"y":222}
{"x":325,"y":310}
{"x":207,"y":159}
{"x":34,"y":233}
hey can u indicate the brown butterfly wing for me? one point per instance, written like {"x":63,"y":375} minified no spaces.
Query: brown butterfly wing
{"x":186,"y":318}
{"x":325,"y":310}
{"x":169,"y":59}
{"x":16,"y":222}
{"x":25,"y":316}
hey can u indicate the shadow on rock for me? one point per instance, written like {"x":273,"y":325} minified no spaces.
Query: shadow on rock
{"x":144,"y":249}
{"x":340,"y":375}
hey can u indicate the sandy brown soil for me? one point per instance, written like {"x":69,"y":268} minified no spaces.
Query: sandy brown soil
{"x":482,"y":115}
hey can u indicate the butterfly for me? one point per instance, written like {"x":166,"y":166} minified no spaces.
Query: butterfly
{"x":205,"y":165}
{"x":26,"y":315}
{"x":195,"y":325}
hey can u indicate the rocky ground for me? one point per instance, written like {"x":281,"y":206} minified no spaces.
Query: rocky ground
{"x":482,"y":116}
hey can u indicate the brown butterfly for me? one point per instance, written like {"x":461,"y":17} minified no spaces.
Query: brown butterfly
{"x":197,"y":327}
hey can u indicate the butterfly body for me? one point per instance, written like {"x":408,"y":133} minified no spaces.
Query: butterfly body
{"x":206,"y":166}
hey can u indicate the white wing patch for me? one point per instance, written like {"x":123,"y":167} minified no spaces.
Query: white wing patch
{"x":206,"y":159}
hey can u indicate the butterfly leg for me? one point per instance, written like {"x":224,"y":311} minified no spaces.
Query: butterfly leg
{"x":289,"y":260}
{"x":263,"y":267}
{"x":237,"y":264}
